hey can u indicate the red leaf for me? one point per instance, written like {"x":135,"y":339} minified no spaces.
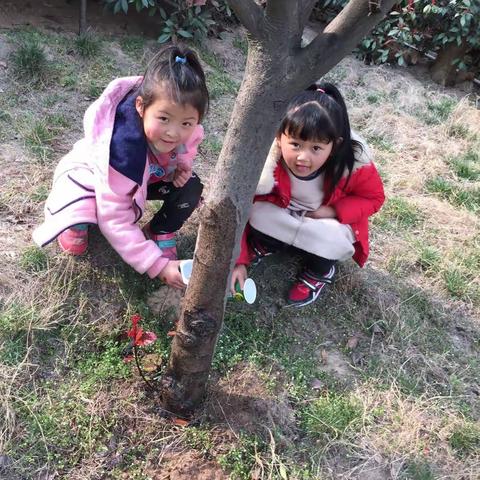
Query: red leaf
{"x":180,"y":422}
{"x":146,"y":338}
{"x":128,"y":358}
{"x":171,"y":333}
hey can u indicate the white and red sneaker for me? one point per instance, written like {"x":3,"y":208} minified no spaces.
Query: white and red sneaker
{"x":74,"y":240}
{"x":308,"y":287}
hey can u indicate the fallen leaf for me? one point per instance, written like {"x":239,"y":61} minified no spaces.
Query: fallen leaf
{"x":3,"y":64}
{"x":352,"y":342}
{"x":180,"y":422}
{"x":128,"y":358}
{"x":324,"y":356}
{"x":171,"y":333}
{"x":151,"y":362}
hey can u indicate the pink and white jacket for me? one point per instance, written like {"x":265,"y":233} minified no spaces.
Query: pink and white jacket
{"x":87,"y":189}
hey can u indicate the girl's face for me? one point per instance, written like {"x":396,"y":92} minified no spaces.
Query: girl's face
{"x":304,"y":157}
{"x":167,"y":124}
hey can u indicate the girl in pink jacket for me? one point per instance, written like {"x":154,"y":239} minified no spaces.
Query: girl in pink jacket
{"x":141,"y":137}
{"x":316,"y":192}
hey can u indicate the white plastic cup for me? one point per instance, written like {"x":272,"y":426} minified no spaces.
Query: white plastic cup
{"x":249,"y":292}
{"x":185,"y":268}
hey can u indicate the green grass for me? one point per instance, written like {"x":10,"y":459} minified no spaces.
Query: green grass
{"x":459,"y":131}
{"x":417,"y":470}
{"x":465,"y":439}
{"x":398,"y":214}
{"x":219,"y":83}
{"x":212,"y":145}
{"x":240,"y":459}
{"x":87,"y":45}
{"x":34,"y":259}
{"x":458,"y":195}
{"x":456,"y":282}
{"x":429,"y":258}
{"x":382,"y":142}
{"x":29,"y":63}
{"x":133,"y":45}
{"x":438,"y":111}
{"x":40,"y":135}
{"x":331,"y":416}
{"x":241,"y":44}
{"x":467,"y":166}
{"x":59,"y":425}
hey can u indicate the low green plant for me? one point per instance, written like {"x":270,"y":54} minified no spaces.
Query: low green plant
{"x":34,"y":259}
{"x":456,"y":282}
{"x":438,"y":111}
{"x":40,"y":136}
{"x":87,"y":45}
{"x":465,"y":439}
{"x":212,"y":145}
{"x":458,"y":130}
{"x":463,"y":196}
{"x":240,"y":459}
{"x":467,"y":166}
{"x":29,"y":63}
{"x":429,"y":258}
{"x":398,"y":214}
{"x":331,"y":416}
{"x":219,"y":83}
{"x":417,"y":470}
{"x":382,"y":142}
{"x":133,"y":45}
{"x":199,"y":439}
{"x":241,"y":44}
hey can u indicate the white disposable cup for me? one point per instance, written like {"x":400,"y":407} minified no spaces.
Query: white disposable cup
{"x":186,"y":270}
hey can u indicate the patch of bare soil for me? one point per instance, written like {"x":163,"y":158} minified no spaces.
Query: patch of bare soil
{"x":242,"y":403}
{"x":188,"y":465}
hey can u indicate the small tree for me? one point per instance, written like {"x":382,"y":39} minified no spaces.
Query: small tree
{"x":277,"y":67}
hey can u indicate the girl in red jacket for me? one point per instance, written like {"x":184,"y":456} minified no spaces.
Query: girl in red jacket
{"x":316,"y":192}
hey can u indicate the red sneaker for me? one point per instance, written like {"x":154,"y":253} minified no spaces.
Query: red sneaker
{"x":307,"y":288}
{"x":165,"y":241}
{"x":74,"y":241}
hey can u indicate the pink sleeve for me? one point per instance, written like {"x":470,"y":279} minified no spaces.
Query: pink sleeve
{"x":185,"y":160}
{"x":117,"y":214}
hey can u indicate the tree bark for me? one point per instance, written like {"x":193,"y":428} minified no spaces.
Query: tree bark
{"x":83,"y":18}
{"x":276,"y":68}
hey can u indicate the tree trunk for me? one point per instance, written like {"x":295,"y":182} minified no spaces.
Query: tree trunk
{"x":259,"y":104}
{"x":443,"y":71}
{"x":83,"y":18}
{"x":277,"y":67}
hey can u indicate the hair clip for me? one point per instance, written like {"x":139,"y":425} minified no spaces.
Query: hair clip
{"x":180,"y":60}
{"x":321,"y":90}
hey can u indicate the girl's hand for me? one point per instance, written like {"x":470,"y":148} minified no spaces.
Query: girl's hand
{"x":239,"y":275}
{"x":171,"y":274}
{"x":181,"y":177}
{"x":322,"y":212}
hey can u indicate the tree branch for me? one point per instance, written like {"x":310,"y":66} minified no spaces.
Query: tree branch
{"x":340,"y":37}
{"x":250,"y":15}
